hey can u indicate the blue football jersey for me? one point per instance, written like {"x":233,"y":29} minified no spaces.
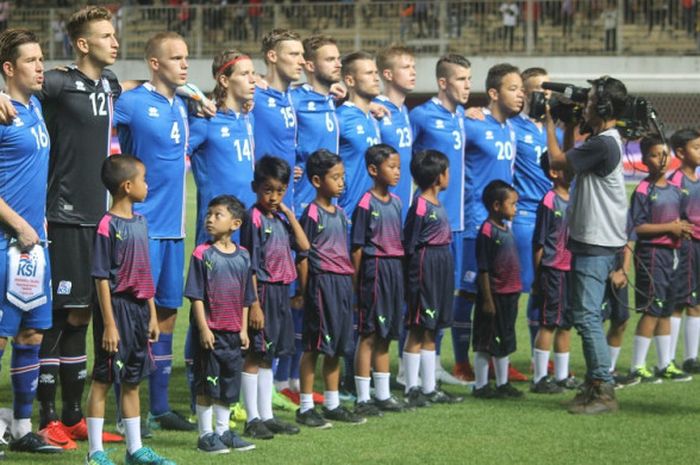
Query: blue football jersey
{"x":358,"y":132}
{"x":435,"y":127}
{"x":318,"y":129}
{"x":155,"y":129}
{"x":396,"y":131}
{"x":221,"y":153}
{"x":528,"y":178}
{"x":489,"y":155}
{"x":276,"y":129}
{"x":24,"y":166}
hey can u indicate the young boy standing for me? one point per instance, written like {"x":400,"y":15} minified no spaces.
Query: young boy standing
{"x":686,"y":146}
{"x":429,"y":277}
{"x":126,"y":325}
{"x":552,"y":262}
{"x":377,"y":255}
{"x":220,"y":287}
{"x":325,"y":279}
{"x":269,"y":234}
{"x":655,"y":214}
{"x":498,"y":293}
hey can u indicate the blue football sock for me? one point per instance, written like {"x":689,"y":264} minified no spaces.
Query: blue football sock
{"x":160,"y":379}
{"x":461,"y":328}
{"x":439,"y":334}
{"x":298,"y":317}
{"x":24,"y":372}
{"x":284,"y":365}
{"x":403,"y":333}
{"x":189,"y":367}
{"x":2,"y":352}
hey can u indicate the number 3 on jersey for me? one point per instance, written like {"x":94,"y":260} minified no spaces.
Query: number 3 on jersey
{"x":175,"y":133}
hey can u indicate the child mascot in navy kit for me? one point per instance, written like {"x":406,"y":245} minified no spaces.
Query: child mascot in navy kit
{"x":220,"y":287}
{"x":126,"y":325}
{"x":499,"y":290}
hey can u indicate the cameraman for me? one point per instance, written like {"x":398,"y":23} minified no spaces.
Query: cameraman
{"x":597,"y":220}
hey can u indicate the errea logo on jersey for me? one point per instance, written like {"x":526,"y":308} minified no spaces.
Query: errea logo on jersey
{"x":489,"y":135}
{"x":18,"y":122}
{"x":360,"y":129}
{"x":439,"y":124}
{"x":271,"y":102}
{"x":225,"y":132}
{"x":528,"y":138}
{"x":386,"y":121}
{"x":153,"y":112}
{"x":80,"y":85}
{"x":311,"y":106}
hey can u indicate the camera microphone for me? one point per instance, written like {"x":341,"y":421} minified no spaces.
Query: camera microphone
{"x":570,"y":91}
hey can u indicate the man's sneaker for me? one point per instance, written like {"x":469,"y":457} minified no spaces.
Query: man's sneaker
{"x":485,"y":392}
{"x":508,"y":391}
{"x":291,"y":395}
{"x":367,"y":409}
{"x":672,"y":373}
{"x":235,"y":442}
{"x":54,"y":434}
{"x":446,"y":377}
{"x":146,"y":432}
{"x":146,"y":456}
{"x":171,"y":421}
{"x":281,"y":402}
{"x":391,"y":404}
{"x":211,"y":443}
{"x":442,"y":397}
{"x":79,"y":432}
{"x":569,"y":383}
{"x":416,"y":399}
{"x":340,"y":413}
{"x":645,"y":376}
{"x":32,"y":442}
{"x":312,"y":419}
{"x":256,"y":429}
{"x":277,"y":426}
{"x":546,"y":385}
{"x":463,"y":371}
{"x":692,"y":365}
{"x":515,"y":376}
{"x":98,"y":458}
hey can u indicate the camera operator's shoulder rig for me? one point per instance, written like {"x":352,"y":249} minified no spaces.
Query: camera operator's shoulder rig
{"x":568,"y":101}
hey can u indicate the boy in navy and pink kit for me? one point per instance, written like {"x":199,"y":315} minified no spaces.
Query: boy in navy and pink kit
{"x":499,"y":290}
{"x":325,"y":279}
{"x":377,"y":254}
{"x":552,"y":262}
{"x":429,"y":278}
{"x":686,"y":146}
{"x":656,"y":217}
{"x":220,"y":287}
{"x":126,"y":324}
{"x":270,"y":233}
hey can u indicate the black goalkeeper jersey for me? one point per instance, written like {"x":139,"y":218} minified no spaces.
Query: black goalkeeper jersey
{"x":78,"y":113}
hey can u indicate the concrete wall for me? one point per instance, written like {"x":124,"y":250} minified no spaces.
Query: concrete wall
{"x":641,"y":74}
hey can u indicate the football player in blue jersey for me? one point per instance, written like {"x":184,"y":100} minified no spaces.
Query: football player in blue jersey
{"x":25,"y":305}
{"x":489,"y":155}
{"x":276,"y":128}
{"x":358,"y":128}
{"x":152,"y":123}
{"x":314,"y":107}
{"x":397,"y":70}
{"x":438,"y":124}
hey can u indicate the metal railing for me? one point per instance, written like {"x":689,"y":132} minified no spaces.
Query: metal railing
{"x":431,"y":27}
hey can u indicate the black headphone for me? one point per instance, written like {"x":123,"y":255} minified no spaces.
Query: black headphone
{"x":604,"y":106}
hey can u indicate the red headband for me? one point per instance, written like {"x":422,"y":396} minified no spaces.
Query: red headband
{"x":223,"y":67}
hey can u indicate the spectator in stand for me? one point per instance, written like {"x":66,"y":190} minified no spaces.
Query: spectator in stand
{"x":610,"y":25}
{"x":567,"y":17}
{"x":255,"y":12}
{"x":4,"y":15}
{"x":510,"y":13}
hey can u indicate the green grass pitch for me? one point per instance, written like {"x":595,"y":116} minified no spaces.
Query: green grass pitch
{"x":656,"y":424}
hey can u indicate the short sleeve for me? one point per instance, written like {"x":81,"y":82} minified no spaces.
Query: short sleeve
{"x":249,"y":296}
{"x":310,"y":227}
{"x":588,"y":156}
{"x":102,"y":252}
{"x":411,"y":230}
{"x":194,"y":287}
{"x":122,"y":110}
{"x":198,"y":133}
{"x":639,"y":209}
{"x":542,"y":224}
{"x":250,"y":239}
{"x":360,"y":223}
{"x":483,"y":253}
